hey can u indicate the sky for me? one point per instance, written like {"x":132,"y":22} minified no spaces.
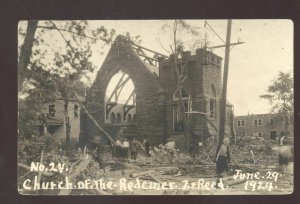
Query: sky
{"x":268,"y":49}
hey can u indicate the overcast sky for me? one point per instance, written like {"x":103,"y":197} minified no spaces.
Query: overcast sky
{"x":268,"y":48}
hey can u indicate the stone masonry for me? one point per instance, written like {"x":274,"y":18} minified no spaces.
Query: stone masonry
{"x":155,"y":88}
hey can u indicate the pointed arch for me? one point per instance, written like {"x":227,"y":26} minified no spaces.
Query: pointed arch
{"x":120,"y":96}
{"x":112,"y":117}
{"x":213,"y":91}
{"x":133,"y":118}
{"x":119,"y":119}
{"x":177,"y":123}
{"x":129,"y":118}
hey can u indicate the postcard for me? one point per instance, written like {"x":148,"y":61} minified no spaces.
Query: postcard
{"x":155,"y":107}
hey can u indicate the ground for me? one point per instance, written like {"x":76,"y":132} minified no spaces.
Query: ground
{"x":168,"y":171}
{"x":184,"y":176}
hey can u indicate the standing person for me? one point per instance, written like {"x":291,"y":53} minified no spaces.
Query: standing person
{"x":286,"y":160}
{"x":223,"y":158}
{"x":147,"y":147}
{"x":118,"y":147}
{"x":286,"y":155}
{"x":120,"y":150}
{"x":281,"y":138}
{"x":133,"y":148}
{"x":126,"y":147}
{"x":96,"y":155}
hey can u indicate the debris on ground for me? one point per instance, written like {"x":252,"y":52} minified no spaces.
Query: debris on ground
{"x":165,"y":163}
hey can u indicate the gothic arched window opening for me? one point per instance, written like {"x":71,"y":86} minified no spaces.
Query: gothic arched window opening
{"x":112,"y":118}
{"x":119,"y":118}
{"x":133,"y":118}
{"x":178,"y":124}
{"x":129,"y":118}
{"x":120,"y":98}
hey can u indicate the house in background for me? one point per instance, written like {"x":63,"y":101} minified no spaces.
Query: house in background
{"x":268,"y":126}
{"x":54,"y":122}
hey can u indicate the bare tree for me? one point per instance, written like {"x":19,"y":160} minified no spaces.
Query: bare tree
{"x":181,"y":29}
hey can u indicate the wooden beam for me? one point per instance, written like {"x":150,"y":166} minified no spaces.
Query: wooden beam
{"x":148,"y":50}
{"x":121,"y":86}
{"x":141,"y":53}
{"x":131,"y":95}
{"x":120,"y":80}
{"x":109,"y":107}
{"x":147,"y":57}
{"x":95,"y":122}
{"x":231,"y":44}
{"x":127,"y":108}
{"x":197,"y":112}
{"x":117,"y":87}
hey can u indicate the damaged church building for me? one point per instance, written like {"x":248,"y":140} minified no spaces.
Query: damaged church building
{"x":151,"y":109}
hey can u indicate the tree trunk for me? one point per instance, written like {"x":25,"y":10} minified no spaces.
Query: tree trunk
{"x":26,"y":51}
{"x":182,"y":117}
{"x":68,"y":127}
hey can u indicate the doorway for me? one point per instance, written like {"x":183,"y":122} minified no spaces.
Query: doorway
{"x":273,"y":135}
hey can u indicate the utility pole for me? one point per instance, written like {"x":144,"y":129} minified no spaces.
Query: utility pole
{"x":224,"y":87}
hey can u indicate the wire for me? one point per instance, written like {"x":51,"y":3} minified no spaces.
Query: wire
{"x":206,"y":23}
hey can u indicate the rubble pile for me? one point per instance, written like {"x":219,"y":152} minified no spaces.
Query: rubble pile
{"x":164,"y":163}
{"x":247,"y":151}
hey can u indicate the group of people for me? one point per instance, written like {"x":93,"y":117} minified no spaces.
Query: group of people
{"x":127,"y":149}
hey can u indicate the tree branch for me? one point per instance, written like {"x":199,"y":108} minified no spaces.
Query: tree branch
{"x":69,"y":31}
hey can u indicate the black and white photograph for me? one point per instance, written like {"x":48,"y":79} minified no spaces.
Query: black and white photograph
{"x":155,"y":107}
